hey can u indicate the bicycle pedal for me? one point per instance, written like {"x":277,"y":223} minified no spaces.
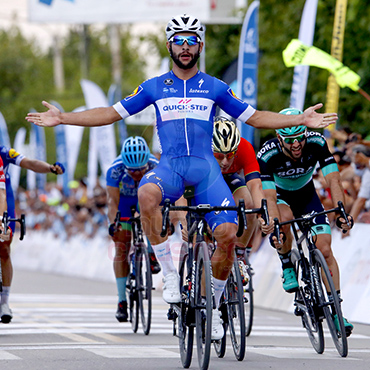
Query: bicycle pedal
{"x":298,"y":312}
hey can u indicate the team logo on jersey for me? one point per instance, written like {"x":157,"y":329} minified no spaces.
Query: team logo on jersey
{"x":168,"y":81}
{"x":13,"y":153}
{"x":134,"y":93}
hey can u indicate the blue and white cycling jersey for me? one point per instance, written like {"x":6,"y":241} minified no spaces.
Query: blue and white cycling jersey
{"x":10,"y":156}
{"x":184,"y":117}
{"x":118,"y":177}
{"x":185,"y":110}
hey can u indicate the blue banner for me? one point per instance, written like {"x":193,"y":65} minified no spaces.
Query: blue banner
{"x":115,"y":95}
{"x":61,"y":151}
{"x":248,"y":65}
{"x":4,"y":136}
{"x":40,"y":154}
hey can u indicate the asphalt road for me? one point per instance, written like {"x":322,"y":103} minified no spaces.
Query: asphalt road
{"x":65,"y":323}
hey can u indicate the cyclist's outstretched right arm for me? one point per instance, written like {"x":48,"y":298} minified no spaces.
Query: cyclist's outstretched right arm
{"x":88,"y":118}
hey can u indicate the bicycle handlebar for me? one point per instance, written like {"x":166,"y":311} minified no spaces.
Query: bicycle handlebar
{"x":202,"y":209}
{"x":22,"y":221}
{"x":307,"y":219}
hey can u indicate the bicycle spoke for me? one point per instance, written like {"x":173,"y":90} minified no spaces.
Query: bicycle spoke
{"x":307,"y":307}
{"x":331,"y":306}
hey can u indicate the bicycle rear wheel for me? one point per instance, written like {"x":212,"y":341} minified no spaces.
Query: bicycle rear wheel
{"x":203,"y":305}
{"x":144,"y":286}
{"x":185,"y":319}
{"x":331,"y":306}
{"x":235,"y":311}
{"x":305,"y":306}
{"x":248,"y":299}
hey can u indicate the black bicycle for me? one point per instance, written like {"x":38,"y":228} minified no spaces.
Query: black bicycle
{"x":6,"y":221}
{"x":197,"y":299}
{"x":237,"y":302}
{"x":139,"y":284}
{"x":316,"y":297}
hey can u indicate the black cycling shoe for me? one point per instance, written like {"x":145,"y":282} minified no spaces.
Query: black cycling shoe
{"x":121,"y":314}
{"x":154,"y":265}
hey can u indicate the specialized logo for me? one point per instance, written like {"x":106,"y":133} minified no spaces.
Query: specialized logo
{"x":13,"y":153}
{"x":201,"y":83}
{"x":168,"y":81}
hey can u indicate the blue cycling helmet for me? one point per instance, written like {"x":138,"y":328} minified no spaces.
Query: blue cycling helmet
{"x":135,"y":152}
{"x":294,"y":130}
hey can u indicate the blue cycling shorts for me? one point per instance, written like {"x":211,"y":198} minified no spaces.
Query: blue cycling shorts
{"x":172,"y":175}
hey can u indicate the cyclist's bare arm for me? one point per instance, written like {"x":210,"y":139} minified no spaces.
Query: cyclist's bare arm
{"x":113,"y":196}
{"x":309,"y":118}
{"x":88,"y":118}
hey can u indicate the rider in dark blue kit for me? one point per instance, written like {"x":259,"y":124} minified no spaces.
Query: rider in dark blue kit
{"x":185,"y":101}
{"x":11,"y":156}
{"x":123,"y":178}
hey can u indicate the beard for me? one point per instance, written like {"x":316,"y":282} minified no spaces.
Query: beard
{"x":181,"y":65}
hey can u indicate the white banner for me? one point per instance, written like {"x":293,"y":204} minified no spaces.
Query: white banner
{"x":306,"y":33}
{"x":74,"y":138}
{"x":114,"y":11}
{"x":106,"y":144}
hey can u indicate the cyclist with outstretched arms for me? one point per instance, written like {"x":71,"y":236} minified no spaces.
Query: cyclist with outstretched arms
{"x":241,"y":171}
{"x":123,"y":178}
{"x":11,"y":156}
{"x":185,"y":101}
{"x":287,"y":164}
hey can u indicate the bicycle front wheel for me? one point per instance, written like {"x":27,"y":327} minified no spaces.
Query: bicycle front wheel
{"x":144,"y":286}
{"x":133,"y":304}
{"x":235,"y":311}
{"x":185,"y":319}
{"x":331,"y":305}
{"x":203,"y":305}
{"x":306,"y":308}
{"x":248,"y":299}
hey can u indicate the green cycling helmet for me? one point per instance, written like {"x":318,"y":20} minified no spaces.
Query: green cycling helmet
{"x":294,"y":130}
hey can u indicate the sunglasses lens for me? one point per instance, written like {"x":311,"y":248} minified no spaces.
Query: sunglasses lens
{"x":291,"y":140}
{"x":180,"y":40}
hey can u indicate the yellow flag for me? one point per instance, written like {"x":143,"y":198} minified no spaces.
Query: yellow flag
{"x":298,"y":53}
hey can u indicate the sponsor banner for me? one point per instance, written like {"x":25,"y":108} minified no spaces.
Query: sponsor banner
{"x":106,"y":145}
{"x":61,"y":151}
{"x":4,"y":136}
{"x":113,"y":11}
{"x":306,"y":33}
{"x":73,"y":138}
{"x":15,"y":171}
{"x":115,"y":95}
{"x":332,"y":92}
{"x":248,"y":65}
{"x":39,"y":149}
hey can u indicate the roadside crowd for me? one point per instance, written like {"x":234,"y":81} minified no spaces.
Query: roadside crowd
{"x":86,"y":215}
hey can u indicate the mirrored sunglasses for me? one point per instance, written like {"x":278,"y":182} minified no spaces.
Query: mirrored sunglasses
{"x":140,"y":169}
{"x":292,"y":139}
{"x":179,"y":40}
{"x":228,"y":156}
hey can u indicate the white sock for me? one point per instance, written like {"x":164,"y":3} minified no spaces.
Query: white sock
{"x":5,"y":294}
{"x":219,"y":286}
{"x":163,"y":253}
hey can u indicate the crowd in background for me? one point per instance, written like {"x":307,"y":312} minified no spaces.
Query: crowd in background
{"x":80,"y":214}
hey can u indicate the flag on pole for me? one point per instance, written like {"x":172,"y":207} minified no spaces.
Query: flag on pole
{"x":297,"y":53}
{"x":306,"y":33}
{"x":248,"y":65}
